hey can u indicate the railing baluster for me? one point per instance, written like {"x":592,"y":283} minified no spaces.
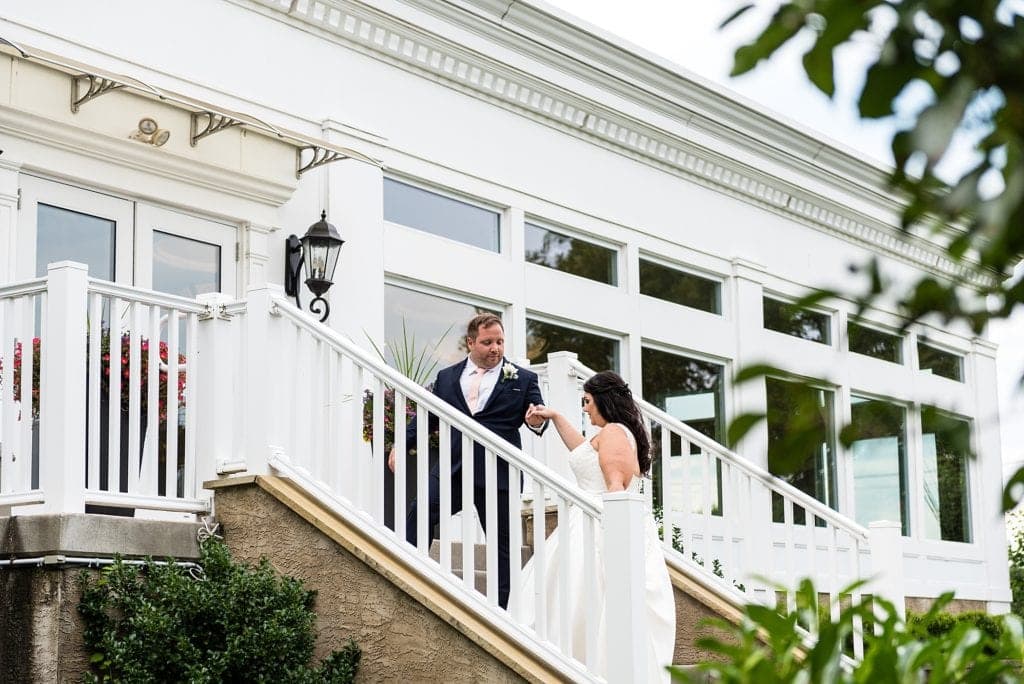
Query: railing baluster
{"x":565,"y":542}
{"x":134,"y":396}
{"x":540,"y":597}
{"x":590,"y":588}
{"x":468,"y":555}
{"x":515,"y":540}
{"x":192,"y":406}
{"x":8,"y":483}
{"x":422,"y":465}
{"x":491,"y":516}
{"x":356,"y":454}
{"x":173,"y":377}
{"x":667,"y":502}
{"x":379,"y":456}
{"x":445,"y":493}
{"x":114,"y":403}
{"x":707,"y":502}
{"x":148,"y":471}
{"x":93,"y":448}
{"x":30,"y":464}
{"x":400,"y":465}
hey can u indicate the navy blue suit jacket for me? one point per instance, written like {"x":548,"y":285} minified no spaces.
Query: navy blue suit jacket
{"x":503,"y":414}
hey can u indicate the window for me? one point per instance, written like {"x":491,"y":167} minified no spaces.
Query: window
{"x":691,"y":391}
{"x":939,"y":362}
{"x":185,"y":267}
{"x":878,"y":430}
{"x":871,"y":342}
{"x":62,"y":234}
{"x":570,"y":255}
{"x":680,"y":287}
{"x":806,"y":462}
{"x":946,"y":449}
{"x":427,"y":211}
{"x":423,"y":326}
{"x":594,"y":351}
{"x":792,"y":320}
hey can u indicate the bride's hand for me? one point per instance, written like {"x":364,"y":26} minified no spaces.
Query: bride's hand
{"x":539,"y":411}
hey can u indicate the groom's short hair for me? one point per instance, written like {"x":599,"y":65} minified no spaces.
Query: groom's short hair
{"x":484,"y":320}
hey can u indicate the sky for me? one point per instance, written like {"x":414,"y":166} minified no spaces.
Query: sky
{"x":686,"y":32}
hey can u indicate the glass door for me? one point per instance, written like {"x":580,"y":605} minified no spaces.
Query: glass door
{"x":184,"y":255}
{"x":60,"y":222}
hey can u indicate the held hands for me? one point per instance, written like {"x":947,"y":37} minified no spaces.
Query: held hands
{"x":536,"y":414}
{"x":391,"y":459}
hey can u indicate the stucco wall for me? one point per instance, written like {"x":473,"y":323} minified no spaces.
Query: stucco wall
{"x":401,"y":640}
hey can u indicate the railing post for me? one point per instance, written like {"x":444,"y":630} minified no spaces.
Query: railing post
{"x":885,"y":539}
{"x":259,"y":367}
{"x":218,"y":392}
{"x":626,"y":616}
{"x":563,"y":396}
{"x":63,"y":390}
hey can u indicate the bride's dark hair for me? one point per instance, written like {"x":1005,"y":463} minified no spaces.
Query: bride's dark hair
{"x":615,"y":404}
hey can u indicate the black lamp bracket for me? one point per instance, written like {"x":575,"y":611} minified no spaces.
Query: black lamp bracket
{"x":293,"y":267}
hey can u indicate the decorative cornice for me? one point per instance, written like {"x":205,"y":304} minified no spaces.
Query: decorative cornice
{"x":444,"y":61}
{"x":128,"y":154}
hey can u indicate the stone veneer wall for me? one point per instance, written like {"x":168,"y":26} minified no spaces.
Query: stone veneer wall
{"x":401,"y":640}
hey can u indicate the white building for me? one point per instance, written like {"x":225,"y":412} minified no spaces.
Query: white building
{"x":601,"y":201}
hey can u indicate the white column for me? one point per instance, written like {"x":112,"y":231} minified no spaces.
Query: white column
{"x":748,"y":318}
{"x":986,"y":501}
{"x":8,"y":219}
{"x":885,"y":539}
{"x":355,"y":205}
{"x":217,"y":389}
{"x":626,"y":616}
{"x":258,"y":399}
{"x":62,"y":413}
{"x":564,"y":397}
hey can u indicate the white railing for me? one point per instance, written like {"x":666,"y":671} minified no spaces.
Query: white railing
{"x":337,"y":411}
{"x":752,"y":530}
{"x":113,"y":419}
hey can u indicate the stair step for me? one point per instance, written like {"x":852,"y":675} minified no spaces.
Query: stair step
{"x":479,"y":554}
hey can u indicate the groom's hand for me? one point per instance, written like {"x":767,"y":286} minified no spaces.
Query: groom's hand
{"x":391,"y":459}
{"x":534,"y":417}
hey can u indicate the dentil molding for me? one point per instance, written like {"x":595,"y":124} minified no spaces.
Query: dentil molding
{"x":451,"y":64}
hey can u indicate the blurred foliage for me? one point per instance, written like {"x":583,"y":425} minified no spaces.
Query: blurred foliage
{"x":768,"y":646}
{"x":966,"y":55}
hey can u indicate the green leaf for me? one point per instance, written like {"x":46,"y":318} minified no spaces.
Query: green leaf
{"x":788,"y":20}
{"x":741,"y":425}
{"x":735,"y":15}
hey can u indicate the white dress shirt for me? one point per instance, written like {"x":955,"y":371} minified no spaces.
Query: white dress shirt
{"x":487,"y":383}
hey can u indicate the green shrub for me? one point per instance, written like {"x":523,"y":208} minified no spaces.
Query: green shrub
{"x":1016,"y":554}
{"x":766,"y":648}
{"x":235,"y":623}
{"x":939,"y":624}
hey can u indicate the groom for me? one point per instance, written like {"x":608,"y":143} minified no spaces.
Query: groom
{"x":497,"y":394}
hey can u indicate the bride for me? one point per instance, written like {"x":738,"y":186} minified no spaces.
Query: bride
{"x":615,"y":460}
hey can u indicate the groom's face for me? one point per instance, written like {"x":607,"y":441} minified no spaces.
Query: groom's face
{"x":488,"y":347}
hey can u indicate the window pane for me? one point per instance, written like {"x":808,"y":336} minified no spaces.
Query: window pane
{"x":793,"y":408}
{"x":62,"y":234}
{"x":879,"y":461}
{"x":939,"y":362}
{"x":424,"y":333}
{"x":792,"y":320}
{"x":440,"y":215}
{"x":871,"y":342}
{"x":571,"y":255}
{"x":185,"y":267}
{"x":691,"y":391}
{"x":594,"y":351}
{"x":947,"y":504}
{"x":679,"y":287}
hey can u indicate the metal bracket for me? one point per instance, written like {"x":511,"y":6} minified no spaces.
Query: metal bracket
{"x":321,"y":156}
{"x":215,"y":123}
{"x":215,"y":312}
{"x":97,"y":86}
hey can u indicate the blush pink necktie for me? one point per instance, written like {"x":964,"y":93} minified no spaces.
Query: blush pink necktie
{"x":473,"y":397}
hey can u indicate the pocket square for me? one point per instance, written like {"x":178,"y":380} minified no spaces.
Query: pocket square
{"x":516,"y":389}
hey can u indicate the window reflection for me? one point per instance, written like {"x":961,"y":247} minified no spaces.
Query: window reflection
{"x":433,"y":213}
{"x":594,"y":351}
{"x":691,"y":391}
{"x":871,"y":342}
{"x":795,"y":321}
{"x":62,"y":234}
{"x":679,"y":287}
{"x":946,"y":448}
{"x":807,"y":462}
{"x":185,"y":267}
{"x":570,"y":255}
{"x":878,"y":429}
{"x":938,"y":362}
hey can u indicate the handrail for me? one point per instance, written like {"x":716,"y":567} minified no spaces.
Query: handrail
{"x":801,"y":498}
{"x":26,"y":287}
{"x":514,"y":455}
{"x":110,"y":289}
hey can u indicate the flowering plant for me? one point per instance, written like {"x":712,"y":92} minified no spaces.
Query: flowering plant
{"x":36,"y":356}
{"x":125,"y":352}
{"x":509,"y":372}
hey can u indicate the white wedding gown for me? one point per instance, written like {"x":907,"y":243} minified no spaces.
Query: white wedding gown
{"x":661,"y":611}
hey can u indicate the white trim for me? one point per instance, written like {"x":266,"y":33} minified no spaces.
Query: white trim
{"x":443,"y":60}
